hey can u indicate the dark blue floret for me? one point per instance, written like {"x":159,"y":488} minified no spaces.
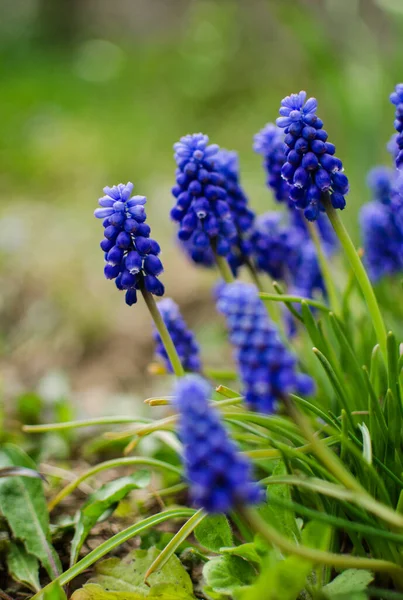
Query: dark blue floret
{"x":382,"y":236}
{"x":131,"y":255}
{"x":397,"y":99}
{"x":267,"y":368}
{"x":220,"y":477}
{"x":183,"y":339}
{"x":269,"y":142}
{"x":311,"y":169}
{"x":202,"y":207}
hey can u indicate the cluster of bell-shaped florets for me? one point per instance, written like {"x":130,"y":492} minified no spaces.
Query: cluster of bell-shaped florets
{"x":269,"y":142}
{"x":202,"y":208}
{"x":382,"y":240}
{"x":183,"y":338}
{"x":382,"y":224}
{"x":285,"y":251}
{"x":219,"y":476}
{"x":396,"y":98}
{"x":274,"y":244}
{"x":311,"y":168}
{"x":131,"y":255}
{"x":268,"y":370}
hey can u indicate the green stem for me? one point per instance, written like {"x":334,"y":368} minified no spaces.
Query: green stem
{"x":324,"y":267}
{"x":113,"y":542}
{"x":163,"y":333}
{"x":84,"y":423}
{"x":289,"y":298}
{"x":271,"y":535}
{"x":360,"y":273}
{"x":224,"y":268}
{"x":111,"y":464}
{"x":272,"y":310}
{"x":175,"y":542}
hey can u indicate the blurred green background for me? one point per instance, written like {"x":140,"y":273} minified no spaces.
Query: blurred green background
{"x":95,"y":92}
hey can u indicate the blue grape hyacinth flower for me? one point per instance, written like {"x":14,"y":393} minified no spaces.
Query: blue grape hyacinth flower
{"x":269,"y":143}
{"x":311,"y":168}
{"x":131,"y":255}
{"x":184,"y":341}
{"x":273,"y":243}
{"x":267,"y":368}
{"x":396,"y":98}
{"x":219,"y":476}
{"x":202,"y":208}
{"x":381,"y":182}
{"x":382,"y":237}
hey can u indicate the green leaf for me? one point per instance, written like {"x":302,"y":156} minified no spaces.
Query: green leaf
{"x":23,"y":567}
{"x":214,"y":532}
{"x":283,"y":519}
{"x":123,"y":579}
{"x":107,"y":497}
{"x":22,"y":502}
{"x":226,"y":574}
{"x":349,"y":584}
{"x":285,"y":579}
{"x":248,"y":551}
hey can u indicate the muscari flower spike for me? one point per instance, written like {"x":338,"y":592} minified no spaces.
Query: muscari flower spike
{"x":184,"y":341}
{"x":267,"y":368}
{"x":396,"y":98}
{"x":382,"y":236}
{"x":131,"y":255}
{"x":272,"y":245}
{"x":381,"y":181}
{"x":202,"y":208}
{"x":220,"y":477}
{"x":269,"y":142}
{"x":311,"y":168}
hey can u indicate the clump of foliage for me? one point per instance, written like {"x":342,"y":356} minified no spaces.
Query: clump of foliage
{"x":287,"y":482}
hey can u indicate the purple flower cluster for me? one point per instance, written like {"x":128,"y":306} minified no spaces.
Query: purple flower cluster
{"x":382,"y":224}
{"x":184,"y":341}
{"x":202,"y":207}
{"x":396,"y":98}
{"x":311,"y":168}
{"x":131,"y":255}
{"x":382,"y":240}
{"x":286,"y":252}
{"x":219,"y":476}
{"x":269,"y":142}
{"x":267,"y":368}
{"x":273,"y":245}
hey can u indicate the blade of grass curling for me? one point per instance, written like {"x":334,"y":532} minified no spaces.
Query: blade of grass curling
{"x":115,"y":541}
{"x":111,"y":464}
{"x":175,"y":542}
